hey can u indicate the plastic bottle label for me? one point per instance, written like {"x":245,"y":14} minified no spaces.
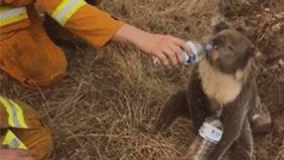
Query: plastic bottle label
{"x":210,"y":133}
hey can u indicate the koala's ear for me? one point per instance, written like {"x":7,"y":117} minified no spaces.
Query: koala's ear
{"x":241,"y":30}
{"x":221,"y":26}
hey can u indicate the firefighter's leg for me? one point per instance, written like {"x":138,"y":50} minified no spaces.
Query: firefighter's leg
{"x":25,"y":130}
{"x":39,"y":141}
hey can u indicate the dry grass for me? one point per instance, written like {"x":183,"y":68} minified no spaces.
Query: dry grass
{"x":183,"y":18}
{"x":94,"y":112}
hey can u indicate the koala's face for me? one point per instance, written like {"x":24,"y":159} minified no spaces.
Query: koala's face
{"x":231,"y":51}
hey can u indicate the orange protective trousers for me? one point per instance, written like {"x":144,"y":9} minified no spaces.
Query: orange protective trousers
{"x":37,"y":137}
{"x":28,"y":55}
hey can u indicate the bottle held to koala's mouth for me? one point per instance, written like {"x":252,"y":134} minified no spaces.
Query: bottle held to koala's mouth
{"x":209,"y":135}
{"x":198,"y":52}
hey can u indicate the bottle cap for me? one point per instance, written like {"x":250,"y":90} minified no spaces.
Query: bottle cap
{"x":219,"y":112}
{"x":207,"y":47}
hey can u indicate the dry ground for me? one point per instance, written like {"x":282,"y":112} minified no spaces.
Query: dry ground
{"x":94,"y":112}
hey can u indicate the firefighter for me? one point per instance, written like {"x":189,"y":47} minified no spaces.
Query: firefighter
{"x":23,"y":134}
{"x":29,"y":56}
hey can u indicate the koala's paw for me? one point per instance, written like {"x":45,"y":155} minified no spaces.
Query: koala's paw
{"x":261,"y":124}
{"x":261,"y":121}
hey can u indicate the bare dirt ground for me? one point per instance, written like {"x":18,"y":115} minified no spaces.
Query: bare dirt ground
{"x":95,"y":110}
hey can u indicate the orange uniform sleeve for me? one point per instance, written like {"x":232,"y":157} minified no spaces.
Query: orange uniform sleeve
{"x":94,"y":25}
{"x":89,"y":22}
{"x":17,"y":2}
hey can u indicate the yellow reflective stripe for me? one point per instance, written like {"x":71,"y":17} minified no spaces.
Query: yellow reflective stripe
{"x":16,"y":117}
{"x":13,"y":19}
{"x":13,"y":141}
{"x":66,"y":10}
{"x":10,"y":15}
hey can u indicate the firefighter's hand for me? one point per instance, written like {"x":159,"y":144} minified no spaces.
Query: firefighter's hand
{"x":15,"y":154}
{"x":166,"y":48}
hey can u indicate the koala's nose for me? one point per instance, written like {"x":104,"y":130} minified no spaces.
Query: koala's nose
{"x":214,"y":54}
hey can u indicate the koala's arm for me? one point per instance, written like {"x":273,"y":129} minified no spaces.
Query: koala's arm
{"x":176,"y":106}
{"x":233,"y":123}
{"x":244,"y":144}
{"x":259,"y":115}
{"x":199,"y":103}
{"x":185,"y":103}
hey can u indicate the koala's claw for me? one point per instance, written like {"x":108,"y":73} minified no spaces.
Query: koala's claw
{"x":260,"y":118}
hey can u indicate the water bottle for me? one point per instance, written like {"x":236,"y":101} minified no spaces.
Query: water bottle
{"x":209,"y":134}
{"x":198,"y":52}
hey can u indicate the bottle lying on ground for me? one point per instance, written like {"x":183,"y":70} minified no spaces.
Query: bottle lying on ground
{"x":199,"y":51}
{"x":210,"y":133}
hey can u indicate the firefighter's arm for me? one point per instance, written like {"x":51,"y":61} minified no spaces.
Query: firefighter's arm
{"x":99,"y":28}
{"x":17,"y":2}
{"x":164,"y":47}
{"x":87,"y":21}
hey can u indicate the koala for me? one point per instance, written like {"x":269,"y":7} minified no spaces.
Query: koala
{"x":224,"y":79}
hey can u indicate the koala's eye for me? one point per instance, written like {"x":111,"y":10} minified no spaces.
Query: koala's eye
{"x":215,"y":46}
{"x":231,"y":48}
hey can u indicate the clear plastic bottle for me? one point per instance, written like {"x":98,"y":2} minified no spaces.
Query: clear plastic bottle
{"x":198,"y":52}
{"x":210,"y":133}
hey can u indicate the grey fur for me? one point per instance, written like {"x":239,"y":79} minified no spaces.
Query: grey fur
{"x":196,"y":103}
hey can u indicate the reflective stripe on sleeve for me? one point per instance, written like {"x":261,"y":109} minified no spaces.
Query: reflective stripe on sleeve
{"x":15,"y":113}
{"x":13,"y":141}
{"x":66,"y":10}
{"x":10,"y":15}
